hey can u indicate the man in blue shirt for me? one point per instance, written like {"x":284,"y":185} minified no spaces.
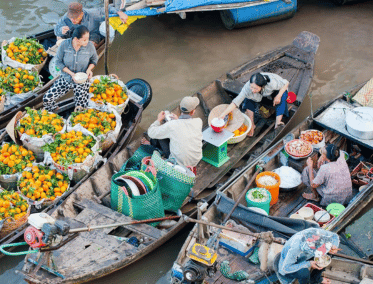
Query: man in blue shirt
{"x":91,"y":18}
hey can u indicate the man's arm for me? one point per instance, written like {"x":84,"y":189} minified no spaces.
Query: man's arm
{"x":158,"y":131}
{"x":58,"y":28}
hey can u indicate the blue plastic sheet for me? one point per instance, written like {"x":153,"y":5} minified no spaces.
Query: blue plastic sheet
{"x":144,"y":12}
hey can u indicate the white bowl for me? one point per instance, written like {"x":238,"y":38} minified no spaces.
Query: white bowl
{"x":322,"y":216}
{"x":306,"y":213}
{"x":296,"y":216}
{"x":259,"y":210}
{"x":325,"y":259}
{"x":81,"y":77}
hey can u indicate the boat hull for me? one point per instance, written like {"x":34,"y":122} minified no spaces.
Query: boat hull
{"x":258,"y":14}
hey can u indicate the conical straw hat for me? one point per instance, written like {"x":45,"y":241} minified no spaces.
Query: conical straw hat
{"x":236,"y":121}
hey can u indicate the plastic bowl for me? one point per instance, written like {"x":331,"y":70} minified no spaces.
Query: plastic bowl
{"x":81,"y":77}
{"x":326,"y":260}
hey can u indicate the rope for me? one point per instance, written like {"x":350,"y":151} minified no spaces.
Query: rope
{"x":238,"y":275}
{"x":2,"y":249}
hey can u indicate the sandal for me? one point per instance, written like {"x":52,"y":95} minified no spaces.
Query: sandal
{"x":144,"y":141}
{"x":311,"y":197}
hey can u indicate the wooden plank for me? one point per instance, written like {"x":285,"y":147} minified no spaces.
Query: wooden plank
{"x":142,"y":229}
{"x":155,"y":2}
{"x":233,"y":86}
{"x":257,"y":62}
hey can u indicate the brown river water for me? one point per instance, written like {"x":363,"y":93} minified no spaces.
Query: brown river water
{"x":179,"y":57}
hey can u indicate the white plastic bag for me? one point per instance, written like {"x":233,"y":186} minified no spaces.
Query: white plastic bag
{"x":101,"y":106}
{"x":105,"y":140}
{"x":78,"y":170}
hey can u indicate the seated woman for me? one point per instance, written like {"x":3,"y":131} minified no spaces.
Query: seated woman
{"x":74,"y":55}
{"x":332,"y":181}
{"x":262,"y":85}
{"x":296,"y":256}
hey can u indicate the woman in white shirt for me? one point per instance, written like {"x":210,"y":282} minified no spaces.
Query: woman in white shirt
{"x":267,"y":85}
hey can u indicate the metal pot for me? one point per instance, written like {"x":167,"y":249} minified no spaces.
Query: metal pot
{"x":359,"y":122}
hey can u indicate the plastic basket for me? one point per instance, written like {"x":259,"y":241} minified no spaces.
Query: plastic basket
{"x":241,"y":137}
{"x":264,"y":205}
{"x":273,"y":189}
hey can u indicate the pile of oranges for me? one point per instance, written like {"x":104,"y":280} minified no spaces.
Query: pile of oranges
{"x":26,"y":51}
{"x":12,"y":205}
{"x":37,"y":123}
{"x":107,"y":91}
{"x":18,"y":80}
{"x":240,"y":130}
{"x":97,"y":122}
{"x":41,"y":182}
{"x":14,"y":158}
{"x":70,"y":148}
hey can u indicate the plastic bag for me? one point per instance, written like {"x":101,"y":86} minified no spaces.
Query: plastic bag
{"x":101,"y":106}
{"x":77,"y":171}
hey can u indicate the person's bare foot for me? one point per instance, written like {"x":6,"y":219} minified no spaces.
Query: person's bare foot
{"x":326,"y":281}
{"x":279,"y":124}
{"x":144,"y":141}
{"x":310,"y":196}
{"x":251,"y":132}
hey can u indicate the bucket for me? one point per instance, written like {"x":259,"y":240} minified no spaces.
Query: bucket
{"x":263,"y":205}
{"x":273,"y":189}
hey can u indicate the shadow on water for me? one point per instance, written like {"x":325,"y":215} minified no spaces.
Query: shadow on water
{"x":179,"y":57}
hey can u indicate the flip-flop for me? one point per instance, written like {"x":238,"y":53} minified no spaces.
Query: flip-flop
{"x":145,"y":141}
{"x":310,"y":198}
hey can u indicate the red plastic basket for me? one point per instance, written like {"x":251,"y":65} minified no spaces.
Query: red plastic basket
{"x":315,"y":209}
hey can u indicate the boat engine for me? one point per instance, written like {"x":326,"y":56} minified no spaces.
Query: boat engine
{"x":43,"y":230}
{"x":202,"y":263}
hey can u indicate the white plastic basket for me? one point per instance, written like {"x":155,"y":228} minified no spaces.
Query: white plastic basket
{"x":241,"y":137}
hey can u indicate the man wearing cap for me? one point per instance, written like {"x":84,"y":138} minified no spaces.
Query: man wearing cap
{"x":91,"y":19}
{"x":185,"y":133}
{"x":332,"y":181}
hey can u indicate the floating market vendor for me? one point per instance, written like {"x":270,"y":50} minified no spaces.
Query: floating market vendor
{"x":184,"y":134}
{"x":90,"y":18}
{"x":74,"y":55}
{"x":297,"y":256}
{"x":262,"y":85}
{"x":332,"y":181}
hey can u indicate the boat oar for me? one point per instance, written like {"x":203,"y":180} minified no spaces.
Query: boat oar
{"x":90,"y":228}
{"x":256,"y":235}
{"x":107,"y":38}
{"x":250,"y":182}
{"x":354,"y":258}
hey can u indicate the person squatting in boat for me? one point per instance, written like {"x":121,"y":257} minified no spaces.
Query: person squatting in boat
{"x":90,"y":18}
{"x":295,"y":259}
{"x":331,"y":181}
{"x":262,"y":85}
{"x":179,"y":138}
{"x":76,"y":54}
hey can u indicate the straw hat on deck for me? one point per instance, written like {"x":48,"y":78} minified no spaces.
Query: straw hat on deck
{"x":236,"y":121}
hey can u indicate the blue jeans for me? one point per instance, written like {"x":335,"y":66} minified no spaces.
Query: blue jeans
{"x":281,"y":108}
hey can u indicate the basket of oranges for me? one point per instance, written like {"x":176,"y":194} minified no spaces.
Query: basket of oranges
{"x":37,"y":127}
{"x":241,"y":133}
{"x":24,"y":52}
{"x":13,"y":160}
{"x":104,"y":125}
{"x":19,"y":81}
{"x":108,"y":90}
{"x":14,"y":211}
{"x":73,"y":153}
{"x":41,"y":186}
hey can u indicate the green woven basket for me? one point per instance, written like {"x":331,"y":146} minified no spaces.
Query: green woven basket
{"x":146,"y":206}
{"x":174,"y":185}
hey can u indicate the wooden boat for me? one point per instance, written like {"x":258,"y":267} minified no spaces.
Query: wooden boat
{"x":139,"y":89}
{"x":289,"y":202}
{"x":47,"y":39}
{"x":102,"y":252}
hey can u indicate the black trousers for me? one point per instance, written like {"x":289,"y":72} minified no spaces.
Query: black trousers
{"x":163,"y":145}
